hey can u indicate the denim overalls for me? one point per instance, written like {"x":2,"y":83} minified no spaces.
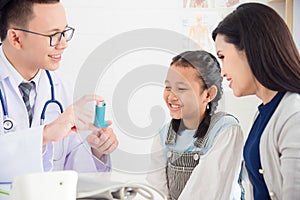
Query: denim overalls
{"x":180,"y":165}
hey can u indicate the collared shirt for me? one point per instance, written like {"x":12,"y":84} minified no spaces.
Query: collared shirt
{"x":27,"y":141}
{"x":18,"y":79}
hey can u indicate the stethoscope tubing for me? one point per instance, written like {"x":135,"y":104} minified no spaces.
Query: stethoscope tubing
{"x":42,"y":118}
{"x":52,"y":100}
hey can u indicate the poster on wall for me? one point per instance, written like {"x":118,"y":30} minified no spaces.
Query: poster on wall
{"x":195,"y":4}
{"x":208,"y":3}
{"x":198,"y":28}
{"x":199,"y":22}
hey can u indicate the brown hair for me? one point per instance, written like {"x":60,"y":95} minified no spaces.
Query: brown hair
{"x":270,"y":49}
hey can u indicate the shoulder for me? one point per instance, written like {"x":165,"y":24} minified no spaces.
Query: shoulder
{"x":224,"y":120}
{"x":224,"y":130}
{"x":163,"y":132}
{"x":286,"y":118}
{"x":288,"y":108}
{"x":290,"y":102}
{"x":224,"y":125}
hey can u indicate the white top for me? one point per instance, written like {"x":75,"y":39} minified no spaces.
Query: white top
{"x":216,"y":175}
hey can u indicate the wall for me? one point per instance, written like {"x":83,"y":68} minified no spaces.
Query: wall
{"x":100,"y":27}
{"x":296,"y":24}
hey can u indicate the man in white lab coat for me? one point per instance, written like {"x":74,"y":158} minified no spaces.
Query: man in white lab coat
{"x":34,"y":35}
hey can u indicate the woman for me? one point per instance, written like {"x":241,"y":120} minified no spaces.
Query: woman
{"x":260,"y":58}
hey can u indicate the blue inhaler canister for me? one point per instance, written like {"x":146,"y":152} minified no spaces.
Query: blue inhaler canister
{"x":100,"y":115}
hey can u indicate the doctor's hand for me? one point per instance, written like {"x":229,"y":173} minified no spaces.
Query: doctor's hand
{"x":76,"y":117}
{"x":103,"y":141}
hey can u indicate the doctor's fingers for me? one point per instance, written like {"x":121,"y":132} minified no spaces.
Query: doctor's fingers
{"x":83,"y":113}
{"x":106,"y":146}
{"x":57,"y":130}
{"x":107,"y":149}
{"x":94,"y":139}
{"x":88,"y":98}
{"x":83,"y":119}
{"x":78,"y":117}
{"x":99,"y":139}
{"x":111,"y":144}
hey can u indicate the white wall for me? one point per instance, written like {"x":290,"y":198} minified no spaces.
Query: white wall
{"x":99,"y":23}
{"x":296,"y":23}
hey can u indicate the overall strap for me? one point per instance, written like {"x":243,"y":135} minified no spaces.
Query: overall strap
{"x":206,"y":142}
{"x":171,"y":136}
{"x":201,"y":142}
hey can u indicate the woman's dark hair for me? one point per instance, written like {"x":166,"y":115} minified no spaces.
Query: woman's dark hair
{"x":269,"y":46}
{"x":17,"y":12}
{"x":209,"y":72}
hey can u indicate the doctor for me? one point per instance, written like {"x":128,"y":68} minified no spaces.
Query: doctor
{"x":34,"y":35}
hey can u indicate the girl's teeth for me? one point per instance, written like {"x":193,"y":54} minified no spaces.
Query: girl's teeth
{"x":174,"y":106}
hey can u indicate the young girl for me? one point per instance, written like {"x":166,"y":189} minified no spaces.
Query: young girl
{"x":198,"y":154}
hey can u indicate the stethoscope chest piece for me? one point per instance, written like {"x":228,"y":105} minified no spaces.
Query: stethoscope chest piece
{"x":8,"y":124}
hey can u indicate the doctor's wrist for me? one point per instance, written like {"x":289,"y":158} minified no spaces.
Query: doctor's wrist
{"x":46,"y":131}
{"x":97,"y":153}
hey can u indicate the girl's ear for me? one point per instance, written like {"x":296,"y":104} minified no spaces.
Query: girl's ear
{"x":211,"y":93}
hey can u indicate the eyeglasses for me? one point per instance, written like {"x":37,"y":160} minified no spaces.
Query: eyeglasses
{"x":54,"y":38}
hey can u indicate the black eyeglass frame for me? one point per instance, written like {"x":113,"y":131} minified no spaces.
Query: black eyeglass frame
{"x":52,"y":35}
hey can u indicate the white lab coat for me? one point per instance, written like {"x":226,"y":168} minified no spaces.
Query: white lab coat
{"x":21,"y":151}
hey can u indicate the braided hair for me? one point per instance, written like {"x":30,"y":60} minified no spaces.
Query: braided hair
{"x":209,"y":72}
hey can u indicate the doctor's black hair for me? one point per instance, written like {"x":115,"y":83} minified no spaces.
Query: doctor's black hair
{"x":18,"y":13}
{"x":268,"y":43}
{"x":209,"y":72}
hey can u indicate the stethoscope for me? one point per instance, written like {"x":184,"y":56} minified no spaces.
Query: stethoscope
{"x":9,"y":124}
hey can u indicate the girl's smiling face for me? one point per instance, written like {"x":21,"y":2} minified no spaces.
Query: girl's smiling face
{"x":185,"y":96}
